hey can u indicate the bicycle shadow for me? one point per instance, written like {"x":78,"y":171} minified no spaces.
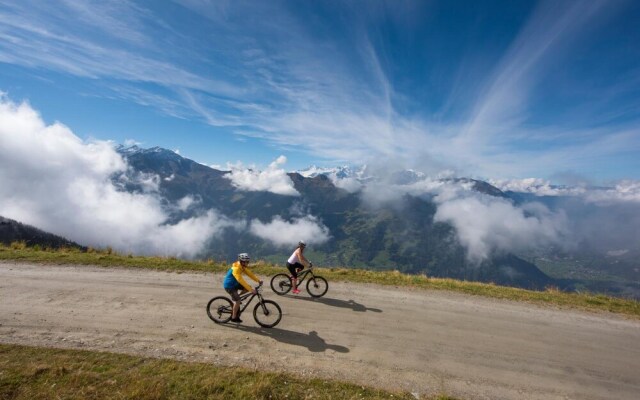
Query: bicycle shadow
{"x":355,"y":306}
{"x":311,"y":341}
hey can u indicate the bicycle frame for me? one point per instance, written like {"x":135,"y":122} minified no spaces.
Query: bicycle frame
{"x":303,"y":274}
{"x":249,"y":295}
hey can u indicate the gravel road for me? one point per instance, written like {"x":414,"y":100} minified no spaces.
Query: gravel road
{"x":421,"y":341}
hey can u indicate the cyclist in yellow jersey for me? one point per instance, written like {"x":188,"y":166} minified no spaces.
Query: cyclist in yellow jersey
{"x":235,"y":285}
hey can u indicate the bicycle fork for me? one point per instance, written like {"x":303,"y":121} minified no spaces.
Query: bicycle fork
{"x":264,"y":308}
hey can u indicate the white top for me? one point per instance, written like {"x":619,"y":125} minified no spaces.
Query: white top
{"x":294,"y":258}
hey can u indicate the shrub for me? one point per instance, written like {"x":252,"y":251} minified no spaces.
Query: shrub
{"x":19,"y":245}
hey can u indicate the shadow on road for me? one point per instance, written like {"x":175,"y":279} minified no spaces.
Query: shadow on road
{"x":337,"y":303}
{"x":311,"y":341}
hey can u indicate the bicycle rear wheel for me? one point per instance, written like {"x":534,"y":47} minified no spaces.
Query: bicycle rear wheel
{"x":267,"y":314}
{"x":281,"y":284}
{"x":219,"y":309}
{"x":317,"y":286}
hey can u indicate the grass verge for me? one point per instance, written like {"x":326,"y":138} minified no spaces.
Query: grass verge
{"x":37,"y":373}
{"x":109,"y":258}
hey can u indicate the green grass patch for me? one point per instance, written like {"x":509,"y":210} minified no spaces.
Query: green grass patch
{"x":110,"y":258}
{"x":38,"y":373}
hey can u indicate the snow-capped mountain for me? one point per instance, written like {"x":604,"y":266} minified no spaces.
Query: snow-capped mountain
{"x":363,"y":174}
{"x":341,"y":172}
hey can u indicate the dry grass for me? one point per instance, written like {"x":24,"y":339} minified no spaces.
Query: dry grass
{"x":31,"y":373}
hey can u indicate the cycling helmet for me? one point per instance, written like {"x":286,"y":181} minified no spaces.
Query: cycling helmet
{"x":302,"y":243}
{"x":244,"y":257}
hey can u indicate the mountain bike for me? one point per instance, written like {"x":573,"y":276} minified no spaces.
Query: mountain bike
{"x":267,"y":313}
{"x":317,"y":286}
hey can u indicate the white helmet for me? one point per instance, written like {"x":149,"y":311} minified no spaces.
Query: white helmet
{"x":302,"y":243}
{"x":244,"y":257}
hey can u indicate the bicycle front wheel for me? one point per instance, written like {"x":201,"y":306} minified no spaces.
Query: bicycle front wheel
{"x":317,"y":286}
{"x":219,"y":309}
{"x":281,"y":284}
{"x":267,"y":313}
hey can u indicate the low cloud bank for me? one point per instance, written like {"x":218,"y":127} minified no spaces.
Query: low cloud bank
{"x":55,"y":181}
{"x":273,"y":179}
{"x":486,"y":225}
{"x":537,"y":186}
{"x":601,"y":220}
{"x":284,"y":233}
{"x":623,"y":191}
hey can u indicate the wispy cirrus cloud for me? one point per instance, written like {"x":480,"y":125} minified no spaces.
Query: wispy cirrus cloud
{"x":348,"y":111}
{"x":62,"y":37}
{"x":337,"y":88}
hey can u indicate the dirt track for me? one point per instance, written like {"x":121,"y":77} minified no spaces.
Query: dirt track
{"x":421,"y":341}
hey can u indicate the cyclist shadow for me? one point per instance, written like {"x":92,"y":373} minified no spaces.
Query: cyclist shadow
{"x":355,"y":306}
{"x":311,"y":341}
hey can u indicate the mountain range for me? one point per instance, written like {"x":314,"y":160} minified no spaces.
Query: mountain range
{"x":402,"y":236}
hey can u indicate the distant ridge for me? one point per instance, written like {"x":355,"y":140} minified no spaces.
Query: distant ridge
{"x":14,"y":231}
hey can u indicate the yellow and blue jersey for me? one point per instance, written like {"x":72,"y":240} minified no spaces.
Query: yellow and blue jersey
{"x":234,"y":279}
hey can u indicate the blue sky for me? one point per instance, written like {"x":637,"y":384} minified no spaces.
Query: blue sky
{"x":504,"y":89}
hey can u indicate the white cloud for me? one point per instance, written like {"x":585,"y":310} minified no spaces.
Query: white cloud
{"x":440,"y":190}
{"x":51,"y":179}
{"x":624,"y":191}
{"x":351,"y":185}
{"x":273,"y":179}
{"x":617,"y":253}
{"x":131,"y":142}
{"x":484,"y":224}
{"x":186,"y":202}
{"x":284,"y":233}
{"x":487,"y":224}
{"x":537,"y":186}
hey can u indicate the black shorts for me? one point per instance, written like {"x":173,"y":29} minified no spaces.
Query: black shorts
{"x":235,"y":295}
{"x":293,"y":268}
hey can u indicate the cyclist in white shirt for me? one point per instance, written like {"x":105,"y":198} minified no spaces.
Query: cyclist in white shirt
{"x":296,"y":263}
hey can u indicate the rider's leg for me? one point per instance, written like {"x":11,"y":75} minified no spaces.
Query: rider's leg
{"x":235,"y":310}
{"x":294,"y":276}
{"x":295,"y":280}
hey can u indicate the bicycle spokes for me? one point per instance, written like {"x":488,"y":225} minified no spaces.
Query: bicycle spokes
{"x":267,"y":313}
{"x":317,"y":286}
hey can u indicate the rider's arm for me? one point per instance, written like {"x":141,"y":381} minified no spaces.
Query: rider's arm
{"x":251,"y":275}
{"x":302,"y":258}
{"x":237,"y":273}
